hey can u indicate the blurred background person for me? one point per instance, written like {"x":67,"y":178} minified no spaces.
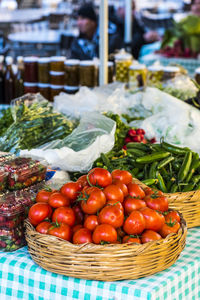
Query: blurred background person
{"x":140,"y":35}
{"x":86,"y":46}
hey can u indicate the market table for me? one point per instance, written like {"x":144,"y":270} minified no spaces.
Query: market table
{"x":21,"y":278}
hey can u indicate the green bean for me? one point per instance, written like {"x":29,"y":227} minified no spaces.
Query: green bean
{"x":139,"y":146}
{"x":174,"y":149}
{"x":165,"y":162}
{"x":152,"y":170}
{"x":188,"y":187}
{"x":136,"y":152}
{"x":185,"y":166}
{"x":174,"y":188}
{"x":150,"y":181}
{"x":161,"y":183}
{"x":152,"y":157}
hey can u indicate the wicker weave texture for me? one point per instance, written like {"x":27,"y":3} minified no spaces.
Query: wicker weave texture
{"x":104,"y":262}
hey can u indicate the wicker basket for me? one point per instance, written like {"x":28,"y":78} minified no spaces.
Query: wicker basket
{"x":187,"y":203}
{"x":104,"y":262}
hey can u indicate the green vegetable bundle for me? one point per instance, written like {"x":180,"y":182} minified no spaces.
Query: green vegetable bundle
{"x":35,"y":125}
{"x":6,"y":120}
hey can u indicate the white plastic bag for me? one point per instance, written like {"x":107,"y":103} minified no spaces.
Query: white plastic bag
{"x":78,"y":151}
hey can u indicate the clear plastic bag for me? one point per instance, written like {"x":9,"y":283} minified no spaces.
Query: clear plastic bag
{"x":78,"y":151}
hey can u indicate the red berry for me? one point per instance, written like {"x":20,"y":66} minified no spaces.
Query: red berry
{"x":124,"y":147}
{"x":142,"y":137}
{"x":153,"y":140}
{"x":131,"y":132}
{"x":140,"y":131}
{"x":136,"y":138}
{"x":127,"y":140}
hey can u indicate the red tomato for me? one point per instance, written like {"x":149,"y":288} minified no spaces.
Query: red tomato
{"x":122,"y":175}
{"x":122,"y":186}
{"x":159,"y":203}
{"x":99,"y":177}
{"x":135,"y":191}
{"x":154,"y":220}
{"x":167,"y":228}
{"x":131,"y":239}
{"x":63,"y":231}
{"x":155,"y":193}
{"x":104,"y":233}
{"x":91,"y":222}
{"x":71,"y":190}
{"x":149,"y":236}
{"x":43,"y":196}
{"x":64,"y":215}
{"x":115,"y":203}
{"x":82,"y":236}
{"x":172,"y":216}
{"x":94,"y":200}
{"x":111,"y":215}
{"x":130,"y":204}
{"x":58,"y":200}
{"x":135,"y":223}
{"x":113,"y":192}
{"x":82,"y":181}
{"x":39,"y":212}
{"x":78,"y":214}
{"x":76,"y":228}
{"x":43,"y":227}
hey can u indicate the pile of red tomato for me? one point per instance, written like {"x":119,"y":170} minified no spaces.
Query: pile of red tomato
{"x":103,"y":207}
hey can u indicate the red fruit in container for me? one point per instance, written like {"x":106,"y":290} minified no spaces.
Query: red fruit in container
{"x":127,"y":140}
{"x":82,"y":236}
{"x":140,"y":131}
{"x":39,"y":212}
{"x":153,"y":140}
{"x":131,"y":132}
{"x":142,"y":137}
{"x":136,"y":138}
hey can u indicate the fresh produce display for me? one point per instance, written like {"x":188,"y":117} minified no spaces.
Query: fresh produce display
{"x":35,"y":125}
{"x":12,"y":239}
{"x":6,"y":119}
{"x":103,"y":207}
{"x":22,"y":172}
{"x":3,"y":179}
{"x":183,"y":39}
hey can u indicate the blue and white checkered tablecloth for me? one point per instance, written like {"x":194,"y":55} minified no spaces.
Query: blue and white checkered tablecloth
{"x":21,"y":278}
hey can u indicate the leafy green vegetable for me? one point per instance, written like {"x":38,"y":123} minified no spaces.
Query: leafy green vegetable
{"x":6,"y":120}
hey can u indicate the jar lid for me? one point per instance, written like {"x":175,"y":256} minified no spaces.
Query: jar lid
{"x":43,"y":85}
{"x":31,"y":84}
{"x":1,"y":58}
{"x":55,"y":73}
{"x":56,"y":87}
{"x":123,"y":55}
{"x":20,"y":59}
{"x":197,"y":71}
{"x":30,"y":59}
{"x":87,"y":63}
{"x":170,"y":69}
{"x":43,"y":60}
{"x":9,"y":60}
{"x":72,"y":62}
{"x":71,"y":88}
{"x":57,"y":58}
{"x":155,"y":68}
{"x":137,"y":67}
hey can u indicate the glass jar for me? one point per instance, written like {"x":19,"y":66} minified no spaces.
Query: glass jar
{"x":170,"y":72}
{"x":71,"y":89}
{"x":31,"y":69}
{"x":123,"y":60}
{"x":43,"y":69}
{"x":55,"y":90}
{"x":56,"y":78}
{"x":30,"y":87}
{"x":87,"y":73}
{"x":154,"y":74}
{"x":137,"y":76}
{"x":197,"y":75}
{"x":57,"y":63}
{"x":72,"y":72}
{"x":44,"y":90}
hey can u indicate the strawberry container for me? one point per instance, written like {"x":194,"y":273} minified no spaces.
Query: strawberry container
{"x":3,"y":179}
{"x":4,"y":156}
{"x":24,"y":172}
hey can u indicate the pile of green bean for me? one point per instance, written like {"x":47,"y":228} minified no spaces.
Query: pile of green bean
{"x":163,"y":166}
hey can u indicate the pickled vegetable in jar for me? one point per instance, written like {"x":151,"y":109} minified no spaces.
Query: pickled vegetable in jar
{"x":43,"y":69}
{"x":170,"y":72}
{"x":154,"y":74}
{"x":30,"y":87}
{"x":87,"y":73}
{"x":71,"y":89}
{"x":44,"y":90}
{"x":57,"y":63}
{"x":55,"y":90}
{"x":56,"y":78}
{"x":72,"y":72}
{"x":197,"y":75}
{"x":123,"y":60}
{"x":31,"y":69}
{"x":137,"y":76}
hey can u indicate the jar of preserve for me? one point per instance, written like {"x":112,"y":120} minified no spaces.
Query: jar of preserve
{"x":137,"y":76}
{"x":68,"y":89}
{"x":154,"y":74}
{"x":43,"y":69}
{"x":87,"y":73}
{"x":123,"y":60}
{"x":31,"y":69}
{"x":57,"y":63}
{"x":56,"y":78}
{"x":55,"y":90}
{"x":170,"y":72}
{"x":44,"y":90}
{"x":72,"y":72}
{"x":30,"y":87}
{"x":197,"y":75}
